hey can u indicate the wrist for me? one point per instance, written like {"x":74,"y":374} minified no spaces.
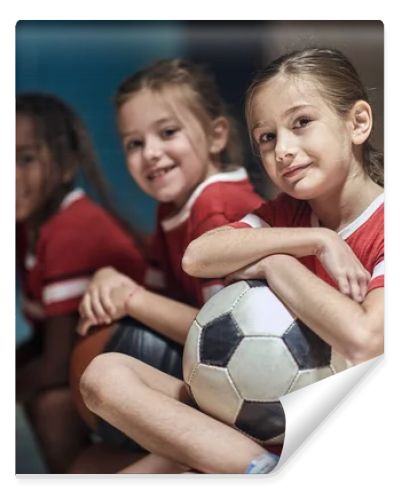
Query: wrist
{"x":132,"y":299}
{"x":323,"y":240}
{"x":272,"y":261}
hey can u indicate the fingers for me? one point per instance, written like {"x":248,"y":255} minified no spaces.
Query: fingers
{"x":355,"y":284}
{"x":84,"y":326}
{"x":92,"y":308}
{"x":85,"y":308}
{"x":98,"y":308}
{"x":344,"y":285}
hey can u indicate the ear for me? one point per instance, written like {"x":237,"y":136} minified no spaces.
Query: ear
{"x":360,"y":120}
{"x":68,"y":172}
{"x":219,"y":135}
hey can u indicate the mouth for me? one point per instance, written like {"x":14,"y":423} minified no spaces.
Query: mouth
{"x":157,"y":173}
{"x":21,"y":196}
{"x":294,"y":170}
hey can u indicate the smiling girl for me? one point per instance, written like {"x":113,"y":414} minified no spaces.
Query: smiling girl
{"x":63,"y":237}
{"x":181,"y":148}
{"x":310,"y":120}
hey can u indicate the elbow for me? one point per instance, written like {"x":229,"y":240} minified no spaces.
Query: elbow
{"x":191,"y":261}
{"x":369,"y":346}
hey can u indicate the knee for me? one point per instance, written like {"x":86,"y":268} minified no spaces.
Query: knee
{"x":103,"y":376}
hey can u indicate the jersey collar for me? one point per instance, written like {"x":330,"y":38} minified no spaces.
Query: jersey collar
{"x":237,"y":175}
{"x":71,"y":197}
{"x":358,"y":222}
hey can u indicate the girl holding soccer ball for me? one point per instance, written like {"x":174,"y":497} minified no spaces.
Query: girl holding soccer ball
{"x":309,"y":118}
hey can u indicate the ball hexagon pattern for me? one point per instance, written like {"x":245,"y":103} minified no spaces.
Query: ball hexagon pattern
{"x":244,"y":351}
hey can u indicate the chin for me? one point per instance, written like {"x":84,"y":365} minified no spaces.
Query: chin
{"x":305,"y":190}
{"x":21,"y":214}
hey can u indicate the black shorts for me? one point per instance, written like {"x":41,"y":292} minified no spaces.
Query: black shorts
{"x":135,"y":339}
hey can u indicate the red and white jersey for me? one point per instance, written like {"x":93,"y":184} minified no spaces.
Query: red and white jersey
{"x":221,"y":199}
{"x":365,"y":235}
{"x":76,"y":241}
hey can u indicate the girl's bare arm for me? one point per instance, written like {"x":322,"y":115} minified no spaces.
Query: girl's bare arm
{"x":224,"y":250}
{"x":167,"y":316}
{"x":353,"y":329}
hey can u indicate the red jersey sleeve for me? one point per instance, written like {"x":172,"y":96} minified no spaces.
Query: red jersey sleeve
{"x":72,"y":248}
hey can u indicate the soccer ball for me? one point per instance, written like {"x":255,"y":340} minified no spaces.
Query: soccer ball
{"x":244,"y":351}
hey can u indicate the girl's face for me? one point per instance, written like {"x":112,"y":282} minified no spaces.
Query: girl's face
{"x":305,"y":148}
{"x":167,"y":157}
{"x":31,"y":160}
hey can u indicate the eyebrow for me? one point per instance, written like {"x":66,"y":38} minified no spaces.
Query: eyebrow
{"x":289,"y":111}
{"x":25,"y":147}
{"x":158,"y":122}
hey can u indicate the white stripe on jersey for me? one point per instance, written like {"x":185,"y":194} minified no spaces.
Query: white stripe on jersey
{"x":254,"y":221}
{"x":30,"y":261}
{"x":64,"y":290}
{"x":72,"y":196}
{"x":379,"y":270}
{"x":210,"y":290}
{"x":368,"y":212}
{"x":237,"y":175}
{"x":358,"y":222}
{"x":155,"y":278}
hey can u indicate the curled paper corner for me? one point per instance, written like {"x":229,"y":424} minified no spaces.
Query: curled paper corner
{"x":306,"y":408}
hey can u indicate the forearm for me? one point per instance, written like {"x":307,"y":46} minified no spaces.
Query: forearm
{"x":225,"y":250}
{"x":349,"y":327}
{"x":168,"y":317}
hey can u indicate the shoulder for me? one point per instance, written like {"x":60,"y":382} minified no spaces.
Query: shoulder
{"x":285,"y":211}
{"x":83,"y":230}
{"x":82,"y":218}
{"x":231,"y":193}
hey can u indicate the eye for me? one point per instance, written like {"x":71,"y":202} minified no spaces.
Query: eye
{"x":26,"y":159}
{"x":302,"y":122}
{"x":133,"y":144}
{"x":168,"y":132}
{"x":265,"y":137}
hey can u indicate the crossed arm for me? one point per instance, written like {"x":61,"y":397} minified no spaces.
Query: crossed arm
{"x":351,"y":319}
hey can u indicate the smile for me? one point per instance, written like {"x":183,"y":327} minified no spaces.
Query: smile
{"x":292,"y":171}
{"x":159,"y":172}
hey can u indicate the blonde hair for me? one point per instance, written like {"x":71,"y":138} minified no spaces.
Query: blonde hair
{"x":198,"y":88}
{"x":339,"y":83}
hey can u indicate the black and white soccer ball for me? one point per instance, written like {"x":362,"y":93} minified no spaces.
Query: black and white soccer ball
{"x":244,"y":351}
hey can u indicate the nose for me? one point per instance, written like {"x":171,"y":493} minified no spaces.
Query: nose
{"x":152,"y":150}
{"x":18,"y":171}
{"x":285,"y":147}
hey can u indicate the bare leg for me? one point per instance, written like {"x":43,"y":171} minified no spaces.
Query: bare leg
{"x":153,"y":409}
{"x":154,"y":464}
{"x":85,"y":350}
{"x":102,"y":458}
{"x":59,"y":429}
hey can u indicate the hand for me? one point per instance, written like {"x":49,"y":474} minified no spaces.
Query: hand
{"x":97,"y":305}
{"x":256,"y":270}
{"x":343,"y":266}
{"x":120,"y":297}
